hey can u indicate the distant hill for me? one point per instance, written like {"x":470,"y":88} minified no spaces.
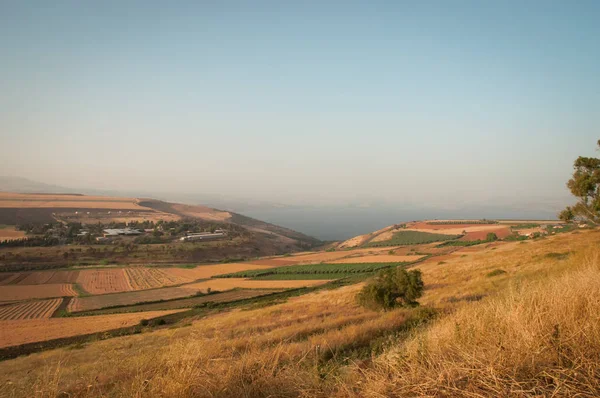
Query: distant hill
{"x":24,"y":185}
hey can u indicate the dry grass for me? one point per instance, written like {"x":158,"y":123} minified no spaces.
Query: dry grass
{"x":30,"y":309}
{"x":538,"y":332}
{"x":102,"y":281}
{"x":538,"y":338}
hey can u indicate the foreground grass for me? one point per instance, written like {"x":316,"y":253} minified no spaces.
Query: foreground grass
{"x":536,"y":333}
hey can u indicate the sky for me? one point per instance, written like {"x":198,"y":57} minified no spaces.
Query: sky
{"x":437,"y":103}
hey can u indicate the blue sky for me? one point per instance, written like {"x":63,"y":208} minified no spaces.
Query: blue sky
{"x":435,"y":102}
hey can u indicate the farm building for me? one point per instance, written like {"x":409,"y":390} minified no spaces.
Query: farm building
{"x":112,"y":232}
{"x":203,"y":236}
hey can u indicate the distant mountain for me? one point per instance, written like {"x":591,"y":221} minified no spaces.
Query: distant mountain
{"x":24,"y":185}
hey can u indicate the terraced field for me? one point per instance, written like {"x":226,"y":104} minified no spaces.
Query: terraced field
{"x":30,"y":309}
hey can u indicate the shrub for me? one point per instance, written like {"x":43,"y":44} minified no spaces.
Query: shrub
{"x":391,"y":288}
{"x":496,"y":272}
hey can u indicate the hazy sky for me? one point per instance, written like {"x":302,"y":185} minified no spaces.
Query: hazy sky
{"x":304,"y":101}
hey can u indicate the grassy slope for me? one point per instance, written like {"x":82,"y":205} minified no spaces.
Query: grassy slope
{"x":536,"y":332}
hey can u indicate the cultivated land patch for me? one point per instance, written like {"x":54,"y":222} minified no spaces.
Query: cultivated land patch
{"x":317,"y":257}
{"x":18,"y":293}
{"x":102,"y":281}
{"x":35,"y":330}
{"x":208,"y":271}
{"x":10,"y":233}
{"x":382,"y":258}
{"x":413,"y":237}
{"x":16,"y":200}
{"x":501,"y":233}
{"x":141,"y":278}
{"x":30,"y":309}
{"x":318,"y":271}
{"x":128,"y":298}
{"x":233,"y":295}
{"x":232,"y":283}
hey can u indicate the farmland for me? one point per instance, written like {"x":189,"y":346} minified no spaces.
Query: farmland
{"x":29,"y":309}
{"x":34,"y":330}
{"x":382,"y":258}
{"x":233,"y":283}
{"x":412,"y":238}
{"x":18,"y":293}
{"x":208,"y":271}
{"x":232,"y":295}
{"x":102,"y":281}
{"x":129,"y":298}
{"x":334,"y":270}
{"x":149,"y":278}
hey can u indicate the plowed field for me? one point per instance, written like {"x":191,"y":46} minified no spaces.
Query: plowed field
{"x":29,"y":309}
{"x":18,"y":293}
{"x":104,"y":281}
{"x":149,"y":278}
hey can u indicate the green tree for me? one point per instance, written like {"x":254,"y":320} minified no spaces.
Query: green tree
{"x":390,"y":288}
{"x":585,"y":185}
{"x":491,"y":237}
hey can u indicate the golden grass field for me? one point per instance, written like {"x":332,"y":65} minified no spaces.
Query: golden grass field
{"x":30,"y":309}
{"x":17,"y":200}
{"x":531,"y":330}
{"x":10,"y":233}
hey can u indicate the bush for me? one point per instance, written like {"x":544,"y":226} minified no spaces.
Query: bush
{"x":391,"y":288}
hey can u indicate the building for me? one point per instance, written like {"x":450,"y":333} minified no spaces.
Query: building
{"x":112,"y":232}
{"x":203,"y":236}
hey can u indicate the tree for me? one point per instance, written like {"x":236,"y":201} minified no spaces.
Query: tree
{"x":392,"y":287}
{"x":585,"y":185}
{"x":491,"y":237}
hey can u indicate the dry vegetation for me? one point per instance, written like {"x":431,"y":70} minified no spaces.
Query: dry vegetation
{"x":536,"y":332}
{"x":149,"y":278}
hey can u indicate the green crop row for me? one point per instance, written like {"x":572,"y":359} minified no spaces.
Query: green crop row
{"x":320,"y":269}
{"x":412,"y":238}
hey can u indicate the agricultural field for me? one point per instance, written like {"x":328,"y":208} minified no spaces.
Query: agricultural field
{"x":141,"y":278}
{"x":21,"y":201}
{"x":319,"y":257}
{"x":233,"y":283}
{"x":8,"y":232}
{"x":19,"y":293}
{"x":208,"y":271}
{"x":335,"y":271}
{"x":411,"y":237}
{"x":128,"y":298}
{"x":34,"y":330}
{"x":382,"y":258}
{"x":103,"y":281}
{"x":228,"y":296}
{"x":30,"y":309}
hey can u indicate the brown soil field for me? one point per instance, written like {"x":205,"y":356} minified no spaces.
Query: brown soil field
{"x":232,"y":283}
{"x":8,"y":277}
{"x":129,"y":298}
{"x":208,"y":271}
{"x":141,"y":278}
{"x":64,"y":277}
{"x":34,"y":330}
{"x":232,"y":295}
{"x":10,"y":233}
{"x":18,"y":293}
{"x":102,"y":281}
{"x":501,"y":233}
{"x":275,"y":262}
{"x":35,"y":278}
{"x":382,"y":258}
{"x":30,"y":309}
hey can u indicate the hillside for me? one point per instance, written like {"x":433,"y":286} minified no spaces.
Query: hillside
{"x":247,"y":238}
{"x":497,"y":319}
